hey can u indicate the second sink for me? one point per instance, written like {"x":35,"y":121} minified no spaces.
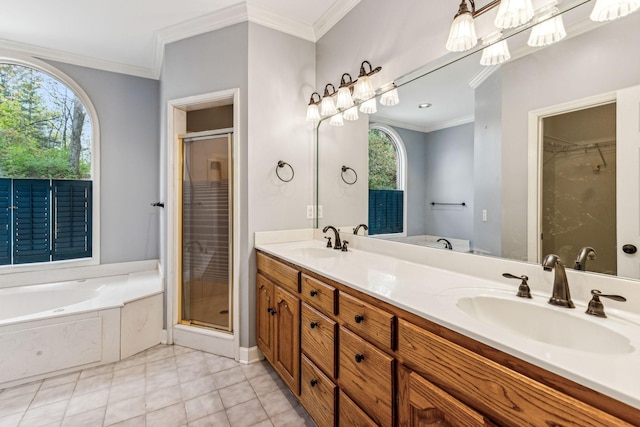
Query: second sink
{"x":545,"y":324}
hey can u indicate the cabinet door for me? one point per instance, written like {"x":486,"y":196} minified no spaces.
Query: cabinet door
{"x":422,"y":404}
{"x":264,"y":318}
{"x":286,"y":352}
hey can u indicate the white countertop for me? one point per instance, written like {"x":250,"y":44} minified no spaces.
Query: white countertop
{"x":433,"y":294}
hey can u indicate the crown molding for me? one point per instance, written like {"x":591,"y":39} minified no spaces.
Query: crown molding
{"x":424,"y":129}
{"x":451,"y":123}
{"x":483,"y":75}
{"x":332,"y":16}
{"x":269,"y":19}
{"x":77,"y":59}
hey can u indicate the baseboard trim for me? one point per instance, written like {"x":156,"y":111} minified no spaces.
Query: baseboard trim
{"x":249,"y":355}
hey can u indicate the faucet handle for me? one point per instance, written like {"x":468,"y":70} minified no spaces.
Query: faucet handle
{"x":344,"y":246}
{"x":523,"y":289}
{"x":329,"y":245}
{"x":595,"y":307}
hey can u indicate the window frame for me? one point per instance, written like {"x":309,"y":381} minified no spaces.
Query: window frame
{"x":401,"y":173}
{"x":17,"y":58}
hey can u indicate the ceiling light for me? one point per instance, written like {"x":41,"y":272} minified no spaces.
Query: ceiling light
{"x":313,"y":114}
{"x":389,"y":95}
{"x":344,"y":93}
{"x":462,"y":35}
{"x":513,"y":13}
{"x":327,"y":106}
{"x":608,"y":10}
{"x":363,"y":89}
{"x":549,"y":30}
{"x":425,"y":105}
{"x":496,"y":52}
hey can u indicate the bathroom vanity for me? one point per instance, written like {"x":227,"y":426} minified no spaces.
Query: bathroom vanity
{"x":359,"y":343}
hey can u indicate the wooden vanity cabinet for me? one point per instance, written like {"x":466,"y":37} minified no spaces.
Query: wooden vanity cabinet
{"x":278,"y":318}
{"x":365,"y":362}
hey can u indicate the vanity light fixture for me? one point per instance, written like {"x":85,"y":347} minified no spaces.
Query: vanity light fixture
{"x":389,"y":95}
{"x":327,"y":106}
{"x":496,"y":52}
{"x":351,"y":114}
{"x":462,"y":35}
{"x":550,"y":27}
{"x":608,"y":10}
{"x":313,"y":113}
{"x":344,"y":93}
{"x":513,"y":13}
{"x":369,"y":106}
{"x":336,"y":120}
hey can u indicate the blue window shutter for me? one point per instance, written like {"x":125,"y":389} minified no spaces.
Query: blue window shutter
{"x":5,"y":221}
{"x":71,"y":217}
{"x":386,"y":208}
{"x":31,"y":221}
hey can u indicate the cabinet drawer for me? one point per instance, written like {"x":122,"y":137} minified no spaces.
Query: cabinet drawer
{"x":319,"y":339}
{"x":284,"y":275}
{"x":318,"y":394}
{"x":366,"y":375}
{"x":350,"y":415}
{"x":318,"y":294}
{"x":368,"y":321}
{"x":509,"y":398}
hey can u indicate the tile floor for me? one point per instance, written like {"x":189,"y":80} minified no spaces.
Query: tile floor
{"x":165,"y":386}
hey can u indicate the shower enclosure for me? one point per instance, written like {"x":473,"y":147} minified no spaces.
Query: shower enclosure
{"x":206,"y":267}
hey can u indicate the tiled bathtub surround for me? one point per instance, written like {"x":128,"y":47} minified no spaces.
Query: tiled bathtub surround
{"x":168,"y":386}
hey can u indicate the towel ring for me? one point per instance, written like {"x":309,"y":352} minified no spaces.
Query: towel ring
{"x":346,"y":168}
{"x":282,"y":164}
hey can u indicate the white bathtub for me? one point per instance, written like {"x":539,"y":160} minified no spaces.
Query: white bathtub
{"x":54,"y":328}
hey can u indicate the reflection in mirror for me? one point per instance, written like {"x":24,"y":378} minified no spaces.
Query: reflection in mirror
{"x":481,"y":143}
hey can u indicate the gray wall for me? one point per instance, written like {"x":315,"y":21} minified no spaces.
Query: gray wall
{"x":487,"y":166}
{"x":449,"y":179}
{"x":127,"y":109}
{"x":275,"y":73}
{"x":596,"y":62}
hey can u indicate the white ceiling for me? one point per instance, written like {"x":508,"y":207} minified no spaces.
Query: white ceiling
{"x":128,"y":35}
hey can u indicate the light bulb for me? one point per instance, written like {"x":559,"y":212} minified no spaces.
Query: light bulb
{"x":313,"y":114}
{"x":363,"y":89}
{"x":327,"y":106}
{"x":462,"y":35}
{"x":344,"y":98}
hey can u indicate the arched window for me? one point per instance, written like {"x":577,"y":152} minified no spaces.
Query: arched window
{"x":48,"y":132}
{"x":387,"y":181}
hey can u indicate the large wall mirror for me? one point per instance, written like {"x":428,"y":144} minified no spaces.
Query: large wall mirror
{"x":537,"y":155}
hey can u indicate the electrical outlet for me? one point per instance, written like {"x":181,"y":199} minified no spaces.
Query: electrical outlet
{"x":484,"y":215}
{"x":319,"y":211}
{"x":310,"y":212}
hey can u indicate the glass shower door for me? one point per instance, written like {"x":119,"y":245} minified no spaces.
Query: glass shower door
{"x":206,"y":261}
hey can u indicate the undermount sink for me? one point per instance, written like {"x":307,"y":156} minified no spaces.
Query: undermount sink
{"x":315,"y":252}
{"x":546,"y":324}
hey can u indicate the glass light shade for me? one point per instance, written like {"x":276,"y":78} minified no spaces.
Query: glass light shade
{"x":363,"y":89}
{"x":462,"y":35}
{"x":313,"y":114}
{"x":495,"y":54}
{"x":513,"y":13}
{"x":389,"y":96}
{"x":369,"y":107}
{"x":344,"y":98}
{"x":608,"y":10}
{"x":327,"y":106}
{"x":336,"y":120}
{"x":549,"y":31}
{"x":351,"y":114}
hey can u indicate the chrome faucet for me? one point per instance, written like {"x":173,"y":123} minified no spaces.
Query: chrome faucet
{"x":338,"y":243}
{"x":581,"y":260}
{"x":355,"y":230}
{"x":447,"y":244}
{"x":560,"y":295}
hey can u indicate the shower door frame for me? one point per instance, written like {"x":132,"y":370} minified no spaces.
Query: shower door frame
{"x":216,"y":342}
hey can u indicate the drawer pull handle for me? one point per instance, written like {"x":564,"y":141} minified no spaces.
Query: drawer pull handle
{"x":273,"y":312}
{"x":313,"y":293}
{"x":313,"y":324}
{"x":359,"y":358}
{"x":269,"y":309}
{"x":359,"y":318}
{"x":313,"y":383}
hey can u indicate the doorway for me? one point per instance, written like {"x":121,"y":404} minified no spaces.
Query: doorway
{"x":579,"y":185}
